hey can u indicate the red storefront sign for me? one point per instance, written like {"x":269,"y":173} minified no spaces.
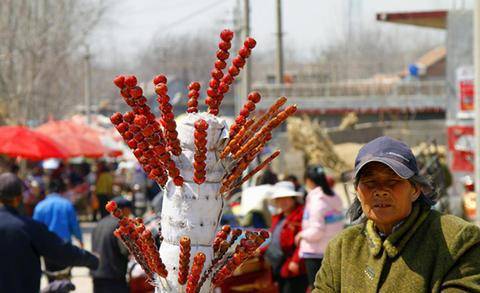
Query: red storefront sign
{"x":466,"y":95}
{"x":460,"y":144}
{"x":465,"y":92}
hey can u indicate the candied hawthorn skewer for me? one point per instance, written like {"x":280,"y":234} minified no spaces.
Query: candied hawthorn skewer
{"x":129,"y":236}
{"x":196,"y":270}
{"x":236,"y":260}
{"x":130,"y":126}
{"x":263,"y":134}
{"x":257,"y":169}
{"x":216,"y":88}
{"x":133,"y":96}
{"x":171,"y":134}
{"x":144,"y":132}
{"x":237,"y":172}
{"x":243,"y":251}
{"x":220,"y":246}
{"x":248,"y":107}
{"x":272,"y":111}
{"x":235,"y":143}
{"x":193,"y":94}
{"x":199,"y":164}
{"x":237,"y":64}
{"x":224,"y":246}
{"x":221,"y":235}
{"x":184,"y":260}
{"x":154,"y":258}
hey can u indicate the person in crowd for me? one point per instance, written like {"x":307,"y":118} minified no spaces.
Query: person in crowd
{"x":28,"y":198}
{"x":282,"y":253}
{"x":91,"y":179}
{"x":60,"y":172}
{"x":399,"y":244}
{"x":103,"y":187}
{"x":267,"y":177}
{"x":323,"y":218}
{"x":59,"y":215}
{"x":37,"y":178}
{"x":25,"y":240}
{"x":110,"y":276}
{"x":298,"y":186}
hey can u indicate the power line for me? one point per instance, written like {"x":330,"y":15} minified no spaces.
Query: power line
{"x":191,"y":15}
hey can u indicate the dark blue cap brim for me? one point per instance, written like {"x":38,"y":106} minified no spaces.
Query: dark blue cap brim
{"x":399,"y":168}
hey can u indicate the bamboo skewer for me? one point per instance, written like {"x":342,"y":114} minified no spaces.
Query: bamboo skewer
{"x":257,"y":169}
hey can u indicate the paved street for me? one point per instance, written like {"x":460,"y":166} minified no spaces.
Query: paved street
{"x":81,"y":277}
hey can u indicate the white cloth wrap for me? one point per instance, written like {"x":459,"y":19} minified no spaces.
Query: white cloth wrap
{"x":193,"y":210}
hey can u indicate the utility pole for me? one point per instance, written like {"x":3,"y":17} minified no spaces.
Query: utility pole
{"x":247,"y":72}
{"x":87,"y":85}
{"x":476,"y":58}
{"x":279,"y":52}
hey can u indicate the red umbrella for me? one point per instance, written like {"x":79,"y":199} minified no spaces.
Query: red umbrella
{"x":78,"y":140}
{"x":19,"y":141}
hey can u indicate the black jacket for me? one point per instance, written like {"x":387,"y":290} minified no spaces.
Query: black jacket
{"x":113,"y":254}
{"x":22,"y":242}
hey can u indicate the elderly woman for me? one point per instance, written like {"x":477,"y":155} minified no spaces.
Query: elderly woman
{"x":400,"y":244}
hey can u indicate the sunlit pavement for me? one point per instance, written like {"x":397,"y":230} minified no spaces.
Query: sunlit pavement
{"x":81,"y":277}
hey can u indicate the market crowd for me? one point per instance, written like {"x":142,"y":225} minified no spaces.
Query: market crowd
{"x":389,"y":239}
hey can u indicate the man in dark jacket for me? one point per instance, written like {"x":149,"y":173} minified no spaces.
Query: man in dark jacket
{"x":111,"y":273}
{"x":24,"y":240}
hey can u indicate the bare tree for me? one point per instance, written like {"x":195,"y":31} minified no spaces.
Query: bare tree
{"x":40,"y":56}
{"x":188,"y":57}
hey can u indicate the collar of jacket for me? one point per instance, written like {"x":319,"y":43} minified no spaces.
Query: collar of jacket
{"x":9,"y":209}
{"x":395,"y":242}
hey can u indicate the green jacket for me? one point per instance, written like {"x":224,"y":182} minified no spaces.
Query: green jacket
{"x":430,"y":252}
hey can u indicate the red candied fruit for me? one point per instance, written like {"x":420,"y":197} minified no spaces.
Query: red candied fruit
{"x":250,"y":43}
{"x":159,"y":79}
{"x":178,"y":181}
{"x":225,"y":46}
{"x":226,"y":35}
{"x":140,"y":120}
{"x":254,"y":97}
{"x":136,"y":92}
{"x":131,"y":81}
{"x":119,"y":81}
{"x":111,"y":206}
{"x":161,"y":89}
{"x":201,"y":124}
{"x":116,"y":118}
{"x":194,"y":86}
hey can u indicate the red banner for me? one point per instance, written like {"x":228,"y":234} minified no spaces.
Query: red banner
{"x":460,"y":144}
{"x":465,"y":91}
{"x":467,"y":96}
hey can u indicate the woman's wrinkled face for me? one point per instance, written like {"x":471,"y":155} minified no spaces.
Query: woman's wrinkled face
{"x":386,"y":198}
{"x":285,"y":204}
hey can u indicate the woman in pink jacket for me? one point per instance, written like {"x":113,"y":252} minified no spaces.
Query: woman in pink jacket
{"x":323,"y":218}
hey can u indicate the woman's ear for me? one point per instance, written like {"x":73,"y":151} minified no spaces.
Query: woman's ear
{"x":416,"y":191}
{"x":357,"y":194}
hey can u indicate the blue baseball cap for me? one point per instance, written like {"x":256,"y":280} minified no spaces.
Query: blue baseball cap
{"x":391,"y":152}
